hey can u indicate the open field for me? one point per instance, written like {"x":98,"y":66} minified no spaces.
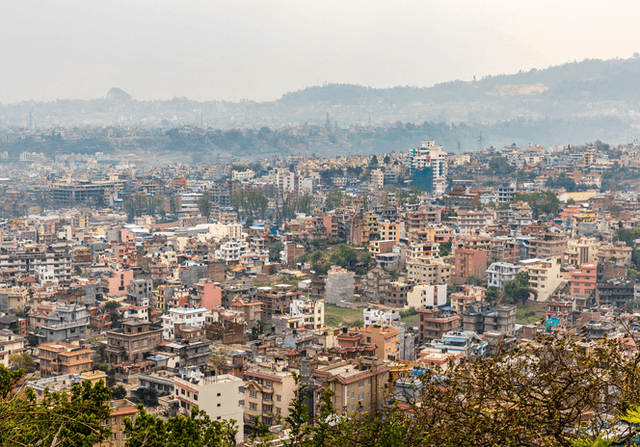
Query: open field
{"x":335,"y":316}
{"x":530,"y":313}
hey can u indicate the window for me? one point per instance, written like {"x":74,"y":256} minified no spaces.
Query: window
{"x":218,"y":394}
{"x":195,"y":397}
{"x":182,"y":389}
{"x":268,"y":384}
{"x":353,"y":394}
{"x":253,"y":393}
{"x":361,"y":396}
{"x":361,"y":384}
{"x":278,"y":398}
{"x":253,"y":406}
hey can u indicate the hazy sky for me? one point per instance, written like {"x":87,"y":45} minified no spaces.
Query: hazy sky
{"x":218,"y":49}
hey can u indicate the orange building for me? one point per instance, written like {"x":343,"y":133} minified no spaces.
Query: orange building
{"x":583,"y":280}
{"x":61,"y":358}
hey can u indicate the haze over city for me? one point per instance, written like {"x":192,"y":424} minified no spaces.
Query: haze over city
{"x":233,"y":50}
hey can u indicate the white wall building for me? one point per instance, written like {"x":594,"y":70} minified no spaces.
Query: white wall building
{"x":191,"y":316}
{"x":432,"y":155}
{"x":378,"y":316}
{"x":427,"y":295}
{"x":231,"y":251}
{"x":221,"y":397}
{"x":500,"y":273}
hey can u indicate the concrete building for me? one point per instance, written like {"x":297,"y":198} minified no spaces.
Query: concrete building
{"x":355,"y":387}
{"x":64,"y":358}
{"x":339,"y":286}
{"x":190,"y":316}
{"x":435,"y":322}
{"x":583,"y":280}
{"x":268,"y":392}
{"x":429,"y":168}
{"x":120,"y":409}
{"x":67,"y":323}
{"x":427,"y":295}
{"x":581,"y":251}
{"x":544,"y":276}
{"x":10,"y":344}
{"x":131,"y":342}
{"x":220,"y":397}
{"x":381,"y":317}
{"x":429,"y":270}
{"x":500,"y":273}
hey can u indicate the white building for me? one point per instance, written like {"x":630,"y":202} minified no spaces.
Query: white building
{"x":189,"y":202}
{"x":544,"y":276}
{"x":225,"y":231}
{"x":339,"y":286}
{"x":377,"y":316}
{"x":427,"y":295}
{"x":377,"y":178}
{"x":10,"y":343}
{"x":221,"y":397}
{"x":430,"y":155}
{"x":311,"y":311}
{"x":191,"y":316}
{"x":231,"y":251}
{"x":500,"y":273}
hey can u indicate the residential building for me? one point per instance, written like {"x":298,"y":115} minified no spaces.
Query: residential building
{"x":10,"y":344}
{"x":396,"y":296}
{"x":131,"y":342}
{"x":429,"y":270}
{"x":435,"y":322}
{"x":268,"y":392}
{"x":339,"y":286}
{"x":500,"y":273}
{"x":544,"y":276}
{"x":429,"y":168}
{"x":427,"y":295}
{"x":120,"y":409}
{"x":583,"y":280}
{"x":220,"y":397}
{"x":60,"y":358}
{"x":190,"y":316}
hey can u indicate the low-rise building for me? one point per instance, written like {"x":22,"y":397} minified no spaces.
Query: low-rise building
{"x":60,"y":358}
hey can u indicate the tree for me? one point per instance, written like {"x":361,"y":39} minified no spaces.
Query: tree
{"x":344,"y":256}
{"x":492,"y":294}
{"x":204,"y":204}
{"x":304,"y":204}
{"x":274,"y":251}
{"x":67,"y":419}
{"x":518,"y":290}
{"x":198,"y":430}
{"x":334,"y":199}
{"x":474,"y":280}
{"x":22,"y":361}
{"x":147,"y":396}
{"x":118,"y":392}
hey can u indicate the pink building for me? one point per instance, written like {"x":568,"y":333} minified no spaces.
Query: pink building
{"x":210,"y":295}
{"x":583,"y":280}
{"x":470,"y":262}
{"x":116,"y":285}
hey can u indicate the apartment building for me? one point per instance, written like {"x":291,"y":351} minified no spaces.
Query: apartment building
{"x":396,"y":296}
{"x":470,"y":263}
{"x":500,"y":273}
{"x":435,"y":322}
{"x":276,"y":300}
{"x":190,"y":316}
{"x":10,"y":343}
{"x":131,"y":342}
{"x":581,"y":251}
{"x":386,"y":339}
{"x":61,"y":358}
{"x":427,"y":295}
{"x":220,"y":397}
{"x":120,"y":409}
{"x":355,"y":387}
{"x":428,"y":270}
{"x":268,"y":392}
{"x":583,"y":280}
{"x":544,"y":276}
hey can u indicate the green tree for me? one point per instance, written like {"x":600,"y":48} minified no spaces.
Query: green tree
{"x":334,"y":199}
{"x":518,"y":290}
{"x":274,"y":251}
{"x":204,"y":204}
{"x":344,"y":256}
{"x":118,"y":392}
{"x":198,"y":430}
{"x":474,"y":280}
{"x":72,"y":419}
{"x":147,"y":396}
{"x":492,"y":294}
{"x":22,"y":361}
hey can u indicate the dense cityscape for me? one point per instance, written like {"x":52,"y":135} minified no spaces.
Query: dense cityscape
{"x":227,"y":287}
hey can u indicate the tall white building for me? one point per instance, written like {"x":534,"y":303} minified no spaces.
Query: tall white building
{"x":221,"y":397}
{"x":429,"y":168}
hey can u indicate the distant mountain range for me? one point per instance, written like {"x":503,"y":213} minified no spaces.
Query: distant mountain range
{"x":581,"y":97}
